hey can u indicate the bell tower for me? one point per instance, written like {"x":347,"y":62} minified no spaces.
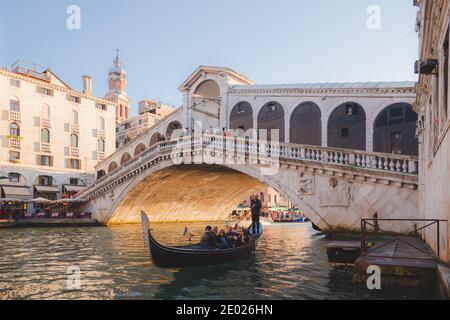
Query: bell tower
{"x":117,"y":80}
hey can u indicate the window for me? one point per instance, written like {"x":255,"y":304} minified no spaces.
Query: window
{"x":74,"y":141}
{"x":101,"y":124}
{"x":446,"y":79}
{"x":74,"y":117}
{"x":261,"y":197}
{"x":45,"y":136}
{"x":101,"y":106}
{"x":14,"y":105}
{"x":73,"y":182}
{"x":46,"y":161}
{"x":74,"y":99}
{"x":75,"y":164}
{"x":45,"y":181}
{"x":14,"y":130}
{"x":271,"y":108}
{"x":349,"y":110}
{"x":14,"y":156}
{"x":101,"y":146}
{"x":45,"y":91}
{"x":345,"y":132}
{"x":14,"y":177}
{"x":14,"y":83}
{"x":46,"y":112}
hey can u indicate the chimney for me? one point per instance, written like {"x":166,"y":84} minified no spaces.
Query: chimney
{"x":87,"y":85}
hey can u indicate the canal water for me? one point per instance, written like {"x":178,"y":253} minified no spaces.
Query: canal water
{"x":290,"y":263}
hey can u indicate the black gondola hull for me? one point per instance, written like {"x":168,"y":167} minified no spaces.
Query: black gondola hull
{"x":177,"y":257}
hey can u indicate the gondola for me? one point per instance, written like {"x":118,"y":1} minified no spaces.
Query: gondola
{"x":193,"y":255}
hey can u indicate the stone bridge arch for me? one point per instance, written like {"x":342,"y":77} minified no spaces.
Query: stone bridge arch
{"x":196,"y":193}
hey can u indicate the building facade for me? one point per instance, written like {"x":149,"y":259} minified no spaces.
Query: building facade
{"x":150,"y":113}
{"x":51,"y":136}
{"x":432,"y":105}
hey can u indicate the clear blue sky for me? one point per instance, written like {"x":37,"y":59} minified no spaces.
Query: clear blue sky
{"x":163,"y":41}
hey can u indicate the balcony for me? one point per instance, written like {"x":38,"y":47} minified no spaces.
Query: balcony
{"x":101,"y":156}
{"x":101,"y":134}
{"x":46,"y":148}
{"x":46,"y":123}
{"x":14,"y":143}
{"x":75,"y":128}
{"x":14,"y":116}
{"x":74,"y":152}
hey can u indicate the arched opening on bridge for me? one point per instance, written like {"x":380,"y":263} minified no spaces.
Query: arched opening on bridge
{"x":347,"y":127}
{"x":241,"y":118}
{"x":101,"y":174}
{"x":395,"y":130}
{"x":306,"y":125}
{"x":271,"y":122}
{"x":125,"y":158}
{"x":112,"y":167}
{"x":206,"y":106}
{"x":176,"y":127}
{"x":139,"y":149}
{"x":156,"y":137}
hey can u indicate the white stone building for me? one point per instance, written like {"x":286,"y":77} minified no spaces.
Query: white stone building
{"x":150,"y":113}
{"x":434,"y":118}
{"x":51,"y":136}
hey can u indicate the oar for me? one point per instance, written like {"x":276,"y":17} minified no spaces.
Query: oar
{"x":242,"y":219}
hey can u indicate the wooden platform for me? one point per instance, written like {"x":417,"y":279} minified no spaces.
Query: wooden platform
{"x":408,"y":261}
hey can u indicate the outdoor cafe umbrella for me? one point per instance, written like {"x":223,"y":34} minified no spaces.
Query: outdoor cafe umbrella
{"x":40,"y":200}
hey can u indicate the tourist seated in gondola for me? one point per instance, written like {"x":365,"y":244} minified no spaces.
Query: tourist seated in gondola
{"x":209,"y":239}
{"x":222,"y":241}
{"x":233,"y":237}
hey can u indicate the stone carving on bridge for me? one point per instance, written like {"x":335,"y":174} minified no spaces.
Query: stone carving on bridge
{"x":306,"y":185}
{"x":338,"y":194}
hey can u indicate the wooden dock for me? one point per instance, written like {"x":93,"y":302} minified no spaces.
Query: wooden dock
{"x":406,"y":261}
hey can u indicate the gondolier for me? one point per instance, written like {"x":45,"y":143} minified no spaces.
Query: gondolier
{"x":256,"y":206}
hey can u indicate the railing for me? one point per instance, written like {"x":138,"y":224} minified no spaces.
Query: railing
{"x":14,"y":116}
{"x":160,"y":126}
{"x":101,"y":134}
{"x":263,"y":150}
{"x":46,"y":147}
{"x":374,"y":224}
{"x":14,"y":143}
{"x":101,"y":156}
{"x":75,"y":128}
{"x":74,"y":152}
{"x":46,"y":122}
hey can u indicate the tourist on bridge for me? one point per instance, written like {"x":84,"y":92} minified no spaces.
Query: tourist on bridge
{"x":256,"y":206}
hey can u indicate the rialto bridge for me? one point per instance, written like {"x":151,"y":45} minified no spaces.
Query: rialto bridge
{"x":340,"y":152}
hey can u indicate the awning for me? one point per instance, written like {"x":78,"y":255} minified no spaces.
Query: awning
{"x":70,"y":188}
{"x":47,"y":189}
{"x":18,"y":193}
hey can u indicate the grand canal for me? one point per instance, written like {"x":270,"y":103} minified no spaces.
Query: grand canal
{"x":291,"y":263}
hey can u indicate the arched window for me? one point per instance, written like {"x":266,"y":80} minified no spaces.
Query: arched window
{"x":347,"y":127}
{"x":139,"y":149}
{"x":101,"y":145}
{"x":306,"y":124}
{"x":74,"y":141}
{"x":125,"y":158}
{"x":74,"y":117}
{"x":270,"y":119}
{"x":395,"y":130}
{"x":14,"y":130}
{"x":101,"y":124}
{"x":14,"y":104}
{"x":112,"y":167}
{"x":45,"y":136}
{"x":45,"y":111}
{"x":241,"y":117}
